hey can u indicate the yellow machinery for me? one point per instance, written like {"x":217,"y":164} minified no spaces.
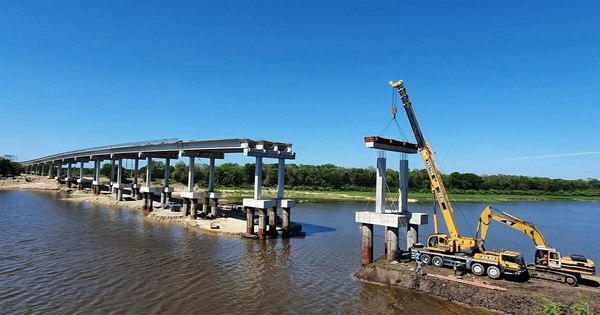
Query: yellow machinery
{"x":549,"y":264}
{"x":438,"y":244}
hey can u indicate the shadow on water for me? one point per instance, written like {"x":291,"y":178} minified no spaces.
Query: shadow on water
{"x":312,"y":229}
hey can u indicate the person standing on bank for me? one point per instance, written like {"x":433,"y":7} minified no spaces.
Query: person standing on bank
{"x":419,"y":269}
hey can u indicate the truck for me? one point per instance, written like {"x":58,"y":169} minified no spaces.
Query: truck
{"x":453,"y":248}
{"x":549,"y":264}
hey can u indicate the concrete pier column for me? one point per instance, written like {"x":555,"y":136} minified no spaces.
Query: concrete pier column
{"x":135,"y":189}
{"x":249,"y":220}
{"x":144,"y":201}
{"x":112,"y":175}
{"x":58,"y":171}
{"x":211,"y":175}
{"x":367,"y":244}
{"x":272,"y":221}
{"x":380,"y":188}
{"x":412,"y":235}
{"x":391,"y":243}
{"x":193,"y":208}
{"x":191,"y":173}
{"x":258,"y":179}
{"x":403,"y":189}
{"x":205,"y":205}
{"x":148,"y":173}
{"x":119,"y":189}
{"x":80,"y":181}
{"x":50,"y":169}
{"x":215,"y":207}
{"x":262,"y":224}
{"x":165,"y":194}
{"x":285,"y":224}
{"x":185,"y":207}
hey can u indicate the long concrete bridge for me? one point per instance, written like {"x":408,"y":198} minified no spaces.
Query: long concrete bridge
{"x":53,"y":165}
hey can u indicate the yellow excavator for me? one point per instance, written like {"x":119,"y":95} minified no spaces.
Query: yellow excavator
{"x":549,"y":264}
{"x":454,"y":249}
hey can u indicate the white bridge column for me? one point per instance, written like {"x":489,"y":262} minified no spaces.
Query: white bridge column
{"x":135,"y":190}
{"x":191,"y":173}
{"x":258,"y":178}
{"x":381,"y":184}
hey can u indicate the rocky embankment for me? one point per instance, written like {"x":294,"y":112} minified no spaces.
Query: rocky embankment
{"x":504,"y":296}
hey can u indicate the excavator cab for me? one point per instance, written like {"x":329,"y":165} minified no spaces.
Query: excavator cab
{"x":547,"y":257}
{"x":438,"y":242}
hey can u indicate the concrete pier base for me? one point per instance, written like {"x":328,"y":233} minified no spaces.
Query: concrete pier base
{"x":249,"y":220}
{"x":285,"y":224}
{"x":412,"y":235}
{"x":205,"y":205}
{"x":215,"y":207}
{"x":261,"y":206}
{"x":147,"y":196}
{"x":272,"y":213}
{"x":391,"y":243}
{"x":367,"y":244}
{"x":262,"y":224}
{"x":135,"y":192}
{"x":193,"y":208}
{"x":165,"y":195}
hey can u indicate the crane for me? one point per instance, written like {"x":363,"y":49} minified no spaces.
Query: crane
{"x":549,"y":264}
{"x":454,"y":248}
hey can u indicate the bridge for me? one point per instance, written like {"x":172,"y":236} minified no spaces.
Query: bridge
{"x":169,"y":149}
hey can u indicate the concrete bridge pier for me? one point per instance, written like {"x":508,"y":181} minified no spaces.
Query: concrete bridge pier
{"x":96,"y":183}
{"x":165,"y":195}
{"x":68,"y":179}
{"x":147,"y":190}
{"x":119,"y":187}
{"x":80,"y":179}
{"x":190,"y":198}
{"x":112,"y":175}
{"x":249,"y":220}
{"x":367,"y":244}
{"x":135,"y":188}
{"x":58,"y":171}
{"x":50,"y":169}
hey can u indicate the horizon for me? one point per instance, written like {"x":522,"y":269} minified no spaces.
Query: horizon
{"x":498,"y":89}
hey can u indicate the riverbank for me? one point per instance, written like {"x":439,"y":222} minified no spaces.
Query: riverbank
{"x":509,"y":297}
{"x":235,"y":195}
{"x":229,"y":223}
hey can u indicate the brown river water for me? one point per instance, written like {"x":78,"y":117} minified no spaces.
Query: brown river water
{"x":60,"y":257}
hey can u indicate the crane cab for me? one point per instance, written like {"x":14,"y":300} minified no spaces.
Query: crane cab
{"x":439,"y":243}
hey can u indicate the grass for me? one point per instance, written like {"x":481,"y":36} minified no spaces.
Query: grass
{"x":235,"y":195}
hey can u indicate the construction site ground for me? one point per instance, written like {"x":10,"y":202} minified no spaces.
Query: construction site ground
{"x":523,"y":296}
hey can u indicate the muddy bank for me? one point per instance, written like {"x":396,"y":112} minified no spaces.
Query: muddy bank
{"x":524,"y":297}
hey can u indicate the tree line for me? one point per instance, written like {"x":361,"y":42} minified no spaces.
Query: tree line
{"x":332,"y":177}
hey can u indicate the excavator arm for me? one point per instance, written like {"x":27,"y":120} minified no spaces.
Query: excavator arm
{"x":511,"y":221}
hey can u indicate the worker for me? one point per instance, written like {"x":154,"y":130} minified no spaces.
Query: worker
{"x":419,"y":269}
{"x":545,"y":258}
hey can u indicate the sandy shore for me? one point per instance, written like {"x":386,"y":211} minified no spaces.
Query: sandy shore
{"x":230,"y":224}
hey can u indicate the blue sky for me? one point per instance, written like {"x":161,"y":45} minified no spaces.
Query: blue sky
{"x":498,"y":87}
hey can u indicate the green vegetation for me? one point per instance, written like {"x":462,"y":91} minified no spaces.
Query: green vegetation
{"x":557,"y":308}
{"x":8,"y":167}
{"x":327,"y":183}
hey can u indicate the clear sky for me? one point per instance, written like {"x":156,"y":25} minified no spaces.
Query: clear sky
{"x":498,"y":86}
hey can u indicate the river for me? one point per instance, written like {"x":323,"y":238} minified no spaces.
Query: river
{"x":62,"y":257}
